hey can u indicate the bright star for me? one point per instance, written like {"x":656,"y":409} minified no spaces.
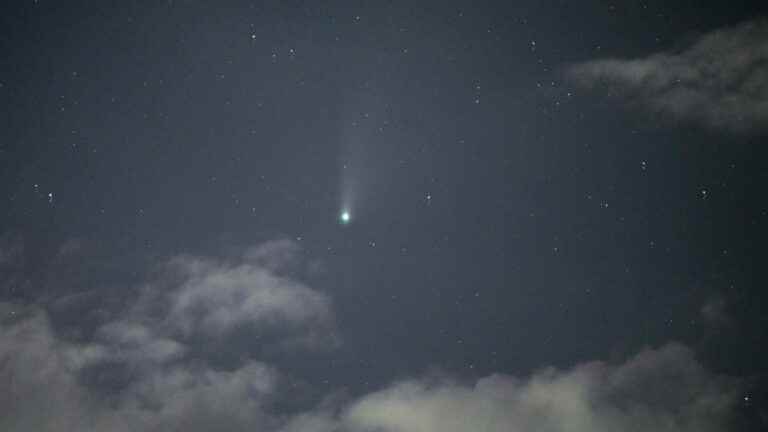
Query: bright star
{"x":344,"y":217}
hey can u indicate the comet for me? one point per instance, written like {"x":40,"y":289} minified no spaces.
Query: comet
{"x":345,"y":217}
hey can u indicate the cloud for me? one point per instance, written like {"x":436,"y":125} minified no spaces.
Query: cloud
{"x":720,"y":81}
{"x":43,"y":390}
{"x":664,"y":390}
{"x":149,"y":369}
{"x":198,"y":299}
{"x":200,"y":399}
{"x":39,"y":391}
{"x":216,"y":298}
{"x":136,"y":343}
{"x":715,"y":311}
{"x":196,"y":302}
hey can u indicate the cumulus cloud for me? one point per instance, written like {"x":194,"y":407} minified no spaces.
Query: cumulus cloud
{"x":43,"y":390}
{"x":720,"y":81}
{"x":147,"y":368}
{"x":36,"y":377}
{"x":135,"y":343}
{"x":144,"y":369}
{"x":664,"y":390}
{"x":217,"y":297}
{"x":198,"y":299}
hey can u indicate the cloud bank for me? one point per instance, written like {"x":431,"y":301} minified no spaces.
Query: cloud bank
{"x":44,"y":389}
{"x":720,"y":81}
{"x":150,"y":368}
{"x":156,"y":366}
{"x":662,"y":390}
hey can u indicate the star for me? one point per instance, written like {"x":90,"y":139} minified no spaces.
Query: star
{"x":344,"y":217}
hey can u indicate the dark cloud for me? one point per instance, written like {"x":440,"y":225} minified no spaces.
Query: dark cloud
{"x":720,"y":81}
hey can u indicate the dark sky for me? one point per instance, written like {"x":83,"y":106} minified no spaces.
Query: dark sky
{"x":531,"y":184}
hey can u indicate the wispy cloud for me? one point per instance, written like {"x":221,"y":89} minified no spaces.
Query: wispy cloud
{"x":715,"y":311}
{"x":720,"y":81}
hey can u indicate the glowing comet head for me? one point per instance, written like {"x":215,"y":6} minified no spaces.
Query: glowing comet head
{"x":344,"y":217}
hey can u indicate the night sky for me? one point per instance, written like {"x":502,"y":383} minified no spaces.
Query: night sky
{"x":383,"y":216}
